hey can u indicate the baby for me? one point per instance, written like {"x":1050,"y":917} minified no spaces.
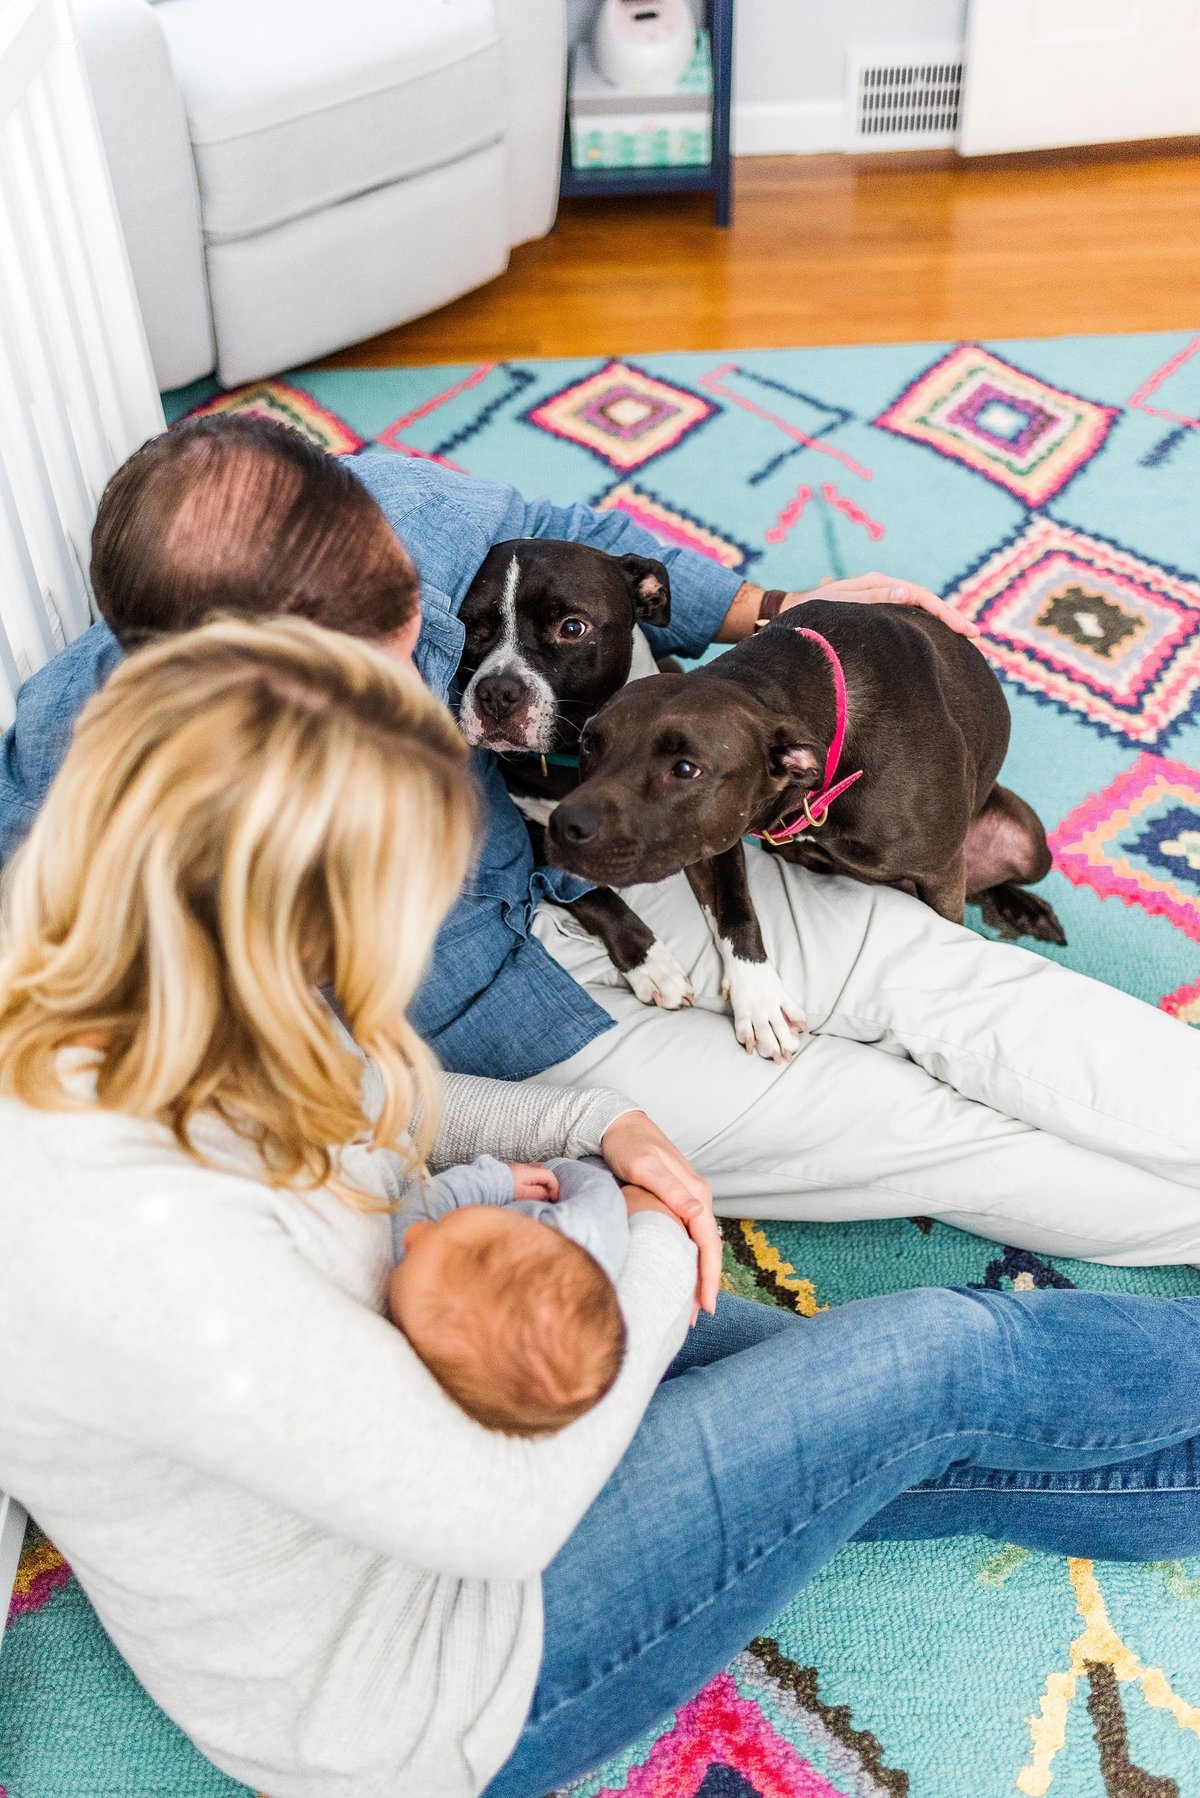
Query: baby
{"x":503,"y":1285}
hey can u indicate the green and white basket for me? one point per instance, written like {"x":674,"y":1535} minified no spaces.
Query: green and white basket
{"x":611,"y":129}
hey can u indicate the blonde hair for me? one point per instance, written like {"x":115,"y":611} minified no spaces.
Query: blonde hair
{"x":246,"y":810}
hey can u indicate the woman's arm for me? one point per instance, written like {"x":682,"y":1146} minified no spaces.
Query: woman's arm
{"x":189,"y":1323}
{"x":523,"y":1120}
{"x":533,"y":1121}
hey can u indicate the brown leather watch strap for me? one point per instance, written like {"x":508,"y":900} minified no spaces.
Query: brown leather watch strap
{"x":768,"y":607}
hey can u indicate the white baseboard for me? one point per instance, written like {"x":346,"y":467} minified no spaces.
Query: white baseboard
{"x":788,"y":128}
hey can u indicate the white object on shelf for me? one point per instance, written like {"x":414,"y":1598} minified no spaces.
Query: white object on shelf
{"x":643,"y":46}
{"x":611,"y":129}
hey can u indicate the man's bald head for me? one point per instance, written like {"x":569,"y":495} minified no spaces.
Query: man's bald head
{"x":229,"y":514}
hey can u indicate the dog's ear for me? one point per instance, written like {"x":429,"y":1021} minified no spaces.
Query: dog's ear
{"x":651,"y":587}
{"x":789,"y":760}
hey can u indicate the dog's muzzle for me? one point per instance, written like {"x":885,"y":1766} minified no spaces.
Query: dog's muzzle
{"x":507,"y":708}
{"x":580,"y":839}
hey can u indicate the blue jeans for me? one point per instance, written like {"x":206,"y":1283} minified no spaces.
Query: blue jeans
{"x":1067,"y":1421}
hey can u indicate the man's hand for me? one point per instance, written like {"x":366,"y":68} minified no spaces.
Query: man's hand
{"x":856,"y":589}
{"x":881,"y":589}
{"x":640,"y":1155}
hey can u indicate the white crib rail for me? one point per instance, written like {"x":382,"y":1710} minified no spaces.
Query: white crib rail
{"x":12,"y":1532}
{"x":77,"y":390}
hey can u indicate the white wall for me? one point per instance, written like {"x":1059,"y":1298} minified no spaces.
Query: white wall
{"x":790,"y":63}
{"x":790,"y":60}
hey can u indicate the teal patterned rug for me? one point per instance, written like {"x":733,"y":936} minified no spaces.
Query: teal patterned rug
{"x":1053,"y":490}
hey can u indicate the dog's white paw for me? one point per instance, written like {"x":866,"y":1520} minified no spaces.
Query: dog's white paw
{"x":659,"y":980}
{"x":767,"y":1021}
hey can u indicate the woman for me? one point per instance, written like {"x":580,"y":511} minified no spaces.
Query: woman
{"x":332,"y":1579}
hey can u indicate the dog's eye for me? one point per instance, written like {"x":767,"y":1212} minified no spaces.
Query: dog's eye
{"x":573,"y":629}
{"x":685,"y":770}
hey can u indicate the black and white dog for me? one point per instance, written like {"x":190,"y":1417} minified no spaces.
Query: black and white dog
{"x":551,"y":635}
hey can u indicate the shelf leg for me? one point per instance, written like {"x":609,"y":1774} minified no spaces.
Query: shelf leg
{"x":721,"y":33}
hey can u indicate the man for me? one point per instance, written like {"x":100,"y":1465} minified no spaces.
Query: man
{"x":944,"y":1074}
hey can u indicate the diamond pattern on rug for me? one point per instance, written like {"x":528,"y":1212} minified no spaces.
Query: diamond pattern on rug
{"x":758,"y":1729}
{"x":787,"y":410}
{"x":1091,"y":627}
{"x":40,"y":1574}
{"x":1007,"y":425}
{"x":1139,"y":840}
{"x":673,"y":527}
{"x":722,"y":1746}
{"x":1177,"y":382}
{"x":622,"y":415}
{"x":288,"y":405}
{"x":1101,"y":1658}
{"x":491,"y":387}
{"x":1184,"y":1003}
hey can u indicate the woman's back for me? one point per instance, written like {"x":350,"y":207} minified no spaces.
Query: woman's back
{"x":129,"y":1444}
{"x":316,"y":1562}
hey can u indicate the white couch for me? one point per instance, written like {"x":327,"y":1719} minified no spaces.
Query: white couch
{"x":295,"y":175}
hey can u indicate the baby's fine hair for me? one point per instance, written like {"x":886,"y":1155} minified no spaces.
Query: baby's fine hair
{"x":547,"y":1345}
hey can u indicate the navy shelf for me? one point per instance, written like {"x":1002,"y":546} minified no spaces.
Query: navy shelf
{"x":713,"y":177}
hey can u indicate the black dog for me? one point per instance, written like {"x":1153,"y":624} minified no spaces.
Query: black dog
{"x":551,"y":635}
{"x":677,"y":771}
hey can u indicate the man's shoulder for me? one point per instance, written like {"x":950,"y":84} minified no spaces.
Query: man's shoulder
{"x":47,"y":706}
{"x":401,"y":484}
{"x":446,"y":520}
{"x":70,"y":678}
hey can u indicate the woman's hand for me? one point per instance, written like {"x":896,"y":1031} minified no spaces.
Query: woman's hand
{"x":882,"y":589}
{"x":640,"y":1155}
{"x":638,"y":1199}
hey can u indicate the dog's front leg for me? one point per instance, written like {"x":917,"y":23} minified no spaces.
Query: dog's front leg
{"x":647,"y":964}
{"x":634,"y":950}
{"x":766,"y":1019}
{"x":946,"y":891}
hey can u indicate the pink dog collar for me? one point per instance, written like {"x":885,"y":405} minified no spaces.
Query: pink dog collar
{"x":815,"y":810}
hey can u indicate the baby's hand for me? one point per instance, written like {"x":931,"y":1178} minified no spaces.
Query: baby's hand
{"x":530,"y":1181}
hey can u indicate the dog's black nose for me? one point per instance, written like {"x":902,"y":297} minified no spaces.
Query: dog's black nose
{"x":573,"y":824}
{"x":497,"y":695}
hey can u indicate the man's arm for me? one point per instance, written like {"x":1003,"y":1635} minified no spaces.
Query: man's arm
{"x":855,"y":589}
{"x":708,"y":603}
{"x":448,"y":522}
{"x":703,"y":594}
{"x":47,"y":707}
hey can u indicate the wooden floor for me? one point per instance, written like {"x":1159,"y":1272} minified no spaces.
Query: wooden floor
{"x":836,"y":249}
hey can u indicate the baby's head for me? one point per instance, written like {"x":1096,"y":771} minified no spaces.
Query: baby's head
{"x":518,"y":1323}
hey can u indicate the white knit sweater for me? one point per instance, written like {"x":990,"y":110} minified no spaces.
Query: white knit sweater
{"x":324,"y":1571}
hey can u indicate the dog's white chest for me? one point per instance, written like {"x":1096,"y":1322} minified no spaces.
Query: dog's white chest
{"x":530,"y":806}
{"x":643,"y":662}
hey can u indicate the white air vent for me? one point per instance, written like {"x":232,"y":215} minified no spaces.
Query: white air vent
{"x":905,"y":98}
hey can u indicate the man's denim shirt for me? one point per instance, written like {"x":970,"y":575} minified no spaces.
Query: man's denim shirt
{"x":493,"y":1002}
